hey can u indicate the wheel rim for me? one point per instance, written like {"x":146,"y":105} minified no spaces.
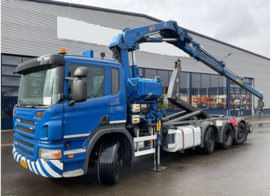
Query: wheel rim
{"x":240,"y":134}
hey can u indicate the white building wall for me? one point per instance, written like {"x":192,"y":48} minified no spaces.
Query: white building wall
{"x":30,"y":28}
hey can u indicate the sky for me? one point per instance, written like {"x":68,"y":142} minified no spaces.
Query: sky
{"x":241,"y":23}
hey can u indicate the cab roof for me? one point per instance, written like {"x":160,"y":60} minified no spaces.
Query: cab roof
{"x":55,"y":60}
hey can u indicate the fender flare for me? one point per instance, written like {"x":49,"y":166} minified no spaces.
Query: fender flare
{"x":204,"y":125}
{"x":98,"y":133}
{"x":245,"y":122}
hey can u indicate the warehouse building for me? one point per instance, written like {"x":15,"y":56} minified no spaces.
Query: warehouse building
{"x":35,"y":28}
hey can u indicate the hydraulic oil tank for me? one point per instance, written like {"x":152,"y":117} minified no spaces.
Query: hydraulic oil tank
{"x":143,"y":88}
{"x":183,"y":137}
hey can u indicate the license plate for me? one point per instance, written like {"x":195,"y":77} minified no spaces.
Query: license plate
{"x":24,"y":164}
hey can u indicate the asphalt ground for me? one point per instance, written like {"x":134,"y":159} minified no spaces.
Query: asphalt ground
{"x":240,"y":170}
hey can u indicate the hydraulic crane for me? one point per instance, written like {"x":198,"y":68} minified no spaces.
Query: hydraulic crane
{"x":170,"y":32}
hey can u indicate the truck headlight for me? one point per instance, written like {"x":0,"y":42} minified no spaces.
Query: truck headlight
{"x":49,"y":154}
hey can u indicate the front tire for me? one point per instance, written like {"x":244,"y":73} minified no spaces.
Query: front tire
{"x":227,"y":137}
{"x":109,"y":163}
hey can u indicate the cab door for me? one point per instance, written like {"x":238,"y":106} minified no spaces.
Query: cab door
{"x":82,"y":118}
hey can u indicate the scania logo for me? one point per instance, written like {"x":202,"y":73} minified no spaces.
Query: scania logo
{"x":45,"y":57}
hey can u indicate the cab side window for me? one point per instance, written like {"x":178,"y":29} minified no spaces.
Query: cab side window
{"x":95,"y":81}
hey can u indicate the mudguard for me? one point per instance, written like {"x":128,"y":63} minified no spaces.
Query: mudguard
{"x":98,"y":133}
{"x":204,"y":125}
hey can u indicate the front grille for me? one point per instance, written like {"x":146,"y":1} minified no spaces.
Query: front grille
{"x":28,"y":138}
{"x":25,"y":129}
{"x":27,"y":122}
{"x":26,"y":151}
{"x":25,"y":143}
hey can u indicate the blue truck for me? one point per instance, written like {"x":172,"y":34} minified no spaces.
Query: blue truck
{"x":75,"y":113}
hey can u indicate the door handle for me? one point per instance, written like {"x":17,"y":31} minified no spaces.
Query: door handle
{"x":104,"y":120}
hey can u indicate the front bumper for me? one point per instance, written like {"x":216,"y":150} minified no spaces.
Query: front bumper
{"x":46,"y":168}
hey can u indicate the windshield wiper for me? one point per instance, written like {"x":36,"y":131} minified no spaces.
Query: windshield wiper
{"x":24,"y":104}
{"x":21,"y":103}
{"x":27,"y":104}
{"x":38,"y":104}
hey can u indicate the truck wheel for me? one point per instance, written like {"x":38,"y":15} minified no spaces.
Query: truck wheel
{"x":109,"y":163}
{"x":209,"y":141}
{"x":241,"y":134}
{"x":227,"y":137}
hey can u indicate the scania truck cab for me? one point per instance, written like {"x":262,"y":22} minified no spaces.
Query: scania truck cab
{"x":52,"y":121}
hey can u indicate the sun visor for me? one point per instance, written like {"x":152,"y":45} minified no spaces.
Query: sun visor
{"x":40,"y":63}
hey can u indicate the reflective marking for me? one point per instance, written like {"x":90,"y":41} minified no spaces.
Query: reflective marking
{"x":56,"y":169}
{"x":18,"y":157}
{"x":40,"y":170}
{"x":43,"y":168}
{"x":118,"y":121}
{"x":49,"y":169}
{"x":57,"y":164}
{"x":76,"y":135}
{"x":34,"y":168}
{"x":75,"y":151}
{"x":29,"y":165}
{"x":15,"y":155}
{"x":13,"y":150}
{"x":23,"y":158}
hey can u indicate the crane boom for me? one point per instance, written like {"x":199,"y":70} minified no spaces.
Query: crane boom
{"x":130,"y":39}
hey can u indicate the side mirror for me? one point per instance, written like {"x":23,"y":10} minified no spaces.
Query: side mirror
{"x":81,"y":72}
{"x":79,"y":86}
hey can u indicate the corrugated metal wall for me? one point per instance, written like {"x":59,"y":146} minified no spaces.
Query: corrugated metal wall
{"x":30,"y":28}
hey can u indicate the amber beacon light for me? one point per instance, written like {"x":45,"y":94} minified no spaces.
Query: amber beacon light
{"x":63,"y":50}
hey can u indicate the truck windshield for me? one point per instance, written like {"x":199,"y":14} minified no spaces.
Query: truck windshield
{"x":39,"y":88}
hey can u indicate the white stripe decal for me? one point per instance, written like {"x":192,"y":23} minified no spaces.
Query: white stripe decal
{"x":40,"y":170}
{"x":29,"y":165}
{"x":118,"y":121}
{"x":49,"y":170}
{"x":76,"y":135}
{"x":15,"y":155}
{"x":18,"y":157}
{"x":13,"y":150}
{"x":75,"y":151}
{"x":33,"y":166}
{"x":23,"y":158}
{"x":57,"y":164}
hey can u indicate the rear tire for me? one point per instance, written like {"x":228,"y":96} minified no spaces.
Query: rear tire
{"x":241,"y":134}
{"x":209,"y":141}
{"x":227,"y":137}
{"x":109,"y":163}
